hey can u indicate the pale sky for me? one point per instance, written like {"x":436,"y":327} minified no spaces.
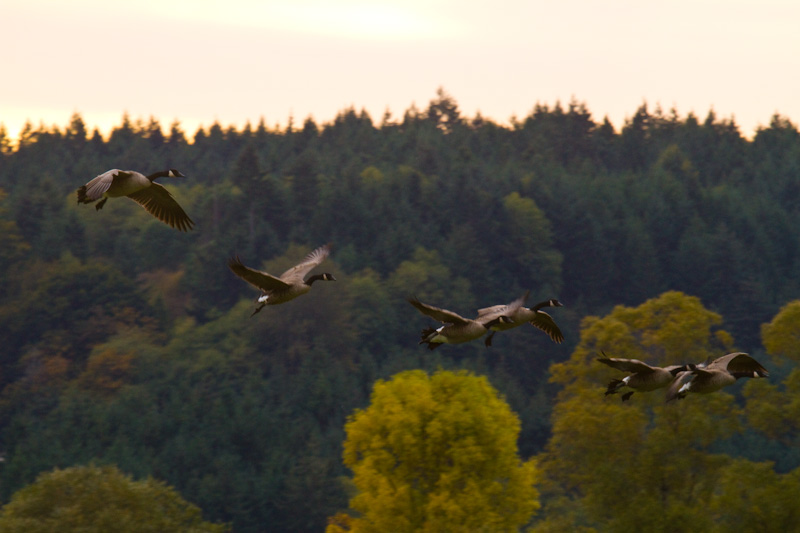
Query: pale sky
{"x":233,"y":61}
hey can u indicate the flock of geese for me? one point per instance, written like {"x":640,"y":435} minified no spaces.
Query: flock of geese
{"x":680,"y":380}
{"x":704,"y":377}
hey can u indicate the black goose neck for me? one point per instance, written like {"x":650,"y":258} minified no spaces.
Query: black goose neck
{"x":315,"y":277}
{"x":160,"y":174}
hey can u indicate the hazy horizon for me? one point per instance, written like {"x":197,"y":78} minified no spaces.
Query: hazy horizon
{"x":241,"y":60}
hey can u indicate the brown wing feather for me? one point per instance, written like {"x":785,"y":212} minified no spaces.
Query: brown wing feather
{"x":739,"y":363}
{"x":502,"y":309}
{"x":298,"y":272}
{"x":626,"y":365}
{"x":262,"y":280}
{"x":492,"y":310}
{"x":545,"y":322}
{"x":98,"y":186}
{"x":158,"y":201}
{"x":441,"y":315}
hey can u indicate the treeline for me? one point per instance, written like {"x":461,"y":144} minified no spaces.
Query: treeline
{"x":129,"y":342}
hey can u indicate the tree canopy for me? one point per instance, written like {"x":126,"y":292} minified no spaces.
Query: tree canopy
{"x":436,"y":453}
{"x":129,"y":343}
{"x":645,"y":465}
{"x":99,"y":499}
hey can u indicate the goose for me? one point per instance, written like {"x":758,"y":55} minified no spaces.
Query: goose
{"x":642,"y":378}
{"x":289,"y":285}
{"x":714,"y":375}
{"x":141,"y":189}
{"x":519,"y":315}
{"x":456,"y":329}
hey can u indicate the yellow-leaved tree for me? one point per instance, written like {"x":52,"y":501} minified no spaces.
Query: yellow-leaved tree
{"x":436,"y":453}
{"x":644,"y":465}
{"x":775,"y":408}
{"x":640,"y":465}
{"x":99,"y":499}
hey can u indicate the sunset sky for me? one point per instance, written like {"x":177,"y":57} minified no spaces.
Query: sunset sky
{"x":239,"y":60}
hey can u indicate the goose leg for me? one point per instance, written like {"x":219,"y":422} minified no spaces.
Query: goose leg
{"x":488,"y":341}
{"x":626,"y":396}
{"x":614,"y":386}
{"x":100,"y":204}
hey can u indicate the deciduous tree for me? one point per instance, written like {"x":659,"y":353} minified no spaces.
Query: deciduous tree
{"x":437,"y":453}
{"x":90,"y":499}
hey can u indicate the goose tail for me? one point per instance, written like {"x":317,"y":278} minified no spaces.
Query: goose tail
{"x":614,"y":386}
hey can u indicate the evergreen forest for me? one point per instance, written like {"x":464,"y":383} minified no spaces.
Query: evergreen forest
{"x":128,"y":344}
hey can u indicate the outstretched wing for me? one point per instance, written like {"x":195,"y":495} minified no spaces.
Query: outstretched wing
{"x":262,"y":280}
{"x":442,"y":315}
{"x":545,"y":322}
{"x":740,"y":364}
{"x":158,"y":201}
{"x":299,"y":271}
{"x":99,"y":185}
{"x":495,"y":311}
{"x":673,"y":391}
{"x":626,"y":365}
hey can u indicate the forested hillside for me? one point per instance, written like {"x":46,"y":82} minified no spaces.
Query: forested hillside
{"x":129,"y":343}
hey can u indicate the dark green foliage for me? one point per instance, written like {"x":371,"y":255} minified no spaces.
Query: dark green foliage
{"x":130,"y":343}
{"x":93,"y":499}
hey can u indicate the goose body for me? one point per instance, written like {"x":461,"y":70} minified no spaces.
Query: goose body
{"x":715,"y":375}
{"x":456,"y":329}
{"x":519,"y":314}
{"x":290,"y":284}
{"x":642,"y":377}
{"x":142,"y":189}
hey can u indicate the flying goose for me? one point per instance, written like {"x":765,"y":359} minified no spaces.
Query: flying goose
{"x":289,"y":285}
{"x":141,"y":189}
{"x":519,"y":315}
{"x":714,"y":375}
{"x":642,"y":378}
{"x":456,"y":329}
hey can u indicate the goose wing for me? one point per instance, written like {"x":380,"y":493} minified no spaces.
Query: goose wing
{"x":673,"y":391}
{"x":739,"y":364}
{"x":262,"y":280}
{"x":99,"y":185}
{"x":441,"y":315}
{"x":299,"y":271}
{"x":158,"y":201}
{"x":545,"y":322}
{"x":626,"y":365}
{"x":493,"y":310}
{"x":488,"y":313}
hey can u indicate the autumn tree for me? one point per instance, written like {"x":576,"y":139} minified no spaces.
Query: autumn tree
{"x":99,"y":499}
{"x":639,"y":465}
{"x":753,"y":497}
{"x":774,"y":408}
{"x":436,"y":453}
